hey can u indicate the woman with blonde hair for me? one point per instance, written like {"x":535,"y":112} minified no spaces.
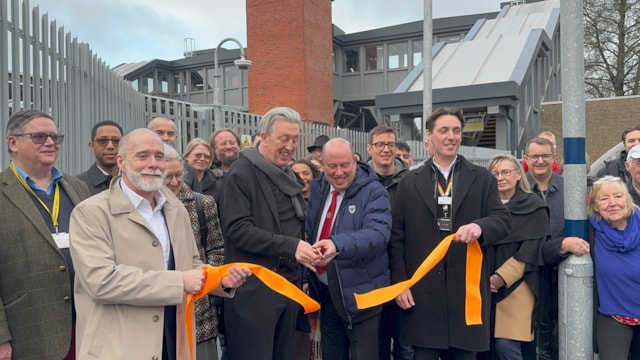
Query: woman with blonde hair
{"x":516,"y":260}
{"x":616,"y":255}
{"x":199,"y":155}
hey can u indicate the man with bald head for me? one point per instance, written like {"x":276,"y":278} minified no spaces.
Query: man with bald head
{"x":166,"y":129}
{"x":349,"y":221}
{"x":136,"y":261}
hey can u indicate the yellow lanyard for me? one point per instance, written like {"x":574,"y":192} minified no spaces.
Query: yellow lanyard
{"x":446,"y":191}
{"x":56,"y":197}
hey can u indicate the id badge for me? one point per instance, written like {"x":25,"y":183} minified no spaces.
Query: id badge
{"x":444,"y":224}
{"x":61,"y":239}
{"x":444,"y":200}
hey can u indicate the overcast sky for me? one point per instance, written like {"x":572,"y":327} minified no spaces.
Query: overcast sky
{"x":135,"y":30}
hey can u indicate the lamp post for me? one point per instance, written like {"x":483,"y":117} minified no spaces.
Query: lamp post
{"x":242,"y":64}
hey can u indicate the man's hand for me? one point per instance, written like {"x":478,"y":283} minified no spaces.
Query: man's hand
{"x":237,"y":276}
{"x":405,"y":300}
{"x":193,"y":280}
{"x":306,"y":255}
{"x":468,"y":233}
{"x":5,"y":351}
{"x":574,"y":245}
{"x":324,"y":246}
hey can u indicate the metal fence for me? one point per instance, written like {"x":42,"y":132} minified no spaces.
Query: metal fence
{"x":46,"y":68}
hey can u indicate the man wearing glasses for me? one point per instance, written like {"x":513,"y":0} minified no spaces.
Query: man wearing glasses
{"x":389,"y":170}
{"x":36,"y":272}
{"x":105,"y":137}
{"x":550,"y":187}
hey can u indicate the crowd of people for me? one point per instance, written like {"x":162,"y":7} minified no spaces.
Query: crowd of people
{"x":99,"y":265}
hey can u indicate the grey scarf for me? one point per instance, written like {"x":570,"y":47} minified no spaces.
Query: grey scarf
{"x":284,"y":180}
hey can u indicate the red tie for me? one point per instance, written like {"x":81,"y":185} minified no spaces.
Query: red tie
{"x":328,"y":221}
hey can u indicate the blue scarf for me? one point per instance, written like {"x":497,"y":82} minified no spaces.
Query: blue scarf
{"x":618,"y":240}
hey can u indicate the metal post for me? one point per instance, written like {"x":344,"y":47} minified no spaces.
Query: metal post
{"x":575,"y":318}
{"x":242,"y":64}
{"x":427,"y":64}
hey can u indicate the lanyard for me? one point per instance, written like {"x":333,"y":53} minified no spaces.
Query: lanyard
{"x":56,"y":197}
{"x":447,"y":190}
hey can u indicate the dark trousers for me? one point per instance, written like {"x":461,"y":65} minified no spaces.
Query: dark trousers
{"x":421,"y":353}
{"x":616,"y":340}
{"x":262,"y":326}
{"x":342,"y":341}
{"x":391,"y":328}
{"x":547,"y":329}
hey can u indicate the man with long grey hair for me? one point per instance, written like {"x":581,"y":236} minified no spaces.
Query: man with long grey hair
{"x":263,"y":214}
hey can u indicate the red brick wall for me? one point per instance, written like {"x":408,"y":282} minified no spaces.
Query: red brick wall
{"x":290,"y":43}
{"x":605,"y":121}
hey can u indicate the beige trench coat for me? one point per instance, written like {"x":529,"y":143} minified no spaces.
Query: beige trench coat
{"x":121,"y":286}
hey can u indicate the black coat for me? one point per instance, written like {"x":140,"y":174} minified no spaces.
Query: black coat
{"x":438,"y":318}
{"x":96,"y":181}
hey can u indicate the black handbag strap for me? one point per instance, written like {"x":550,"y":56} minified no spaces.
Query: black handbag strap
{"x":204,"y":229}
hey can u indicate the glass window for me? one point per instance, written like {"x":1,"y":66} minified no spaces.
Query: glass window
{"x":211,"y":81}
{"x":333,"y":58}
{"x":197,"y":80}
{"x":398,"y":55}
{"x":450,"y":39}
{"x":373,"y":56}
{"x":163,"y":82}
{"x":177,"y":84}
{"x":351,"y":61}
{"x":134,"y":84}
{"x":416,"y":47}
{"x":232,"y":77}
{"x":147,"y":83}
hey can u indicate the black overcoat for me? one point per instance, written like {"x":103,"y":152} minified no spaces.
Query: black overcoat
{"x":438,"y":318}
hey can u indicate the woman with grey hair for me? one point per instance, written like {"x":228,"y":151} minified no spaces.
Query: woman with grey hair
{"x":205,"y":224}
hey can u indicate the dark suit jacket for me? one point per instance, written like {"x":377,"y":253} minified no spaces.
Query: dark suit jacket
{"x":438,"y":318}
{"x":94,"y":178}
{"x":35,"y":290}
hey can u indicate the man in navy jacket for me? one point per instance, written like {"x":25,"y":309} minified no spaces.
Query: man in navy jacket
{"x":360,"y":230}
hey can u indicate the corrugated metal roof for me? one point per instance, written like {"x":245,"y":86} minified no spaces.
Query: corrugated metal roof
{"x":124,"y":69}
{"x":495,"y":52}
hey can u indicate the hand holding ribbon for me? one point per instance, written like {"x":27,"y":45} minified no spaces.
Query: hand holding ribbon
{"x":271,"y":279}
{"x":473,"y":299}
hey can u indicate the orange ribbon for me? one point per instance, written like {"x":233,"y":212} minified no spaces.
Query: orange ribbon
{"x":473,"y":299}
{"x":277,"y":283}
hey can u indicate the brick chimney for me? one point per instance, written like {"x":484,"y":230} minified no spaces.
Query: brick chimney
{"x":290,"y":43}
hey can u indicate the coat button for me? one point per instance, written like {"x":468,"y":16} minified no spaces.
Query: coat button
{"x":155,"y":243}
{"x":67,"y":298}
{"x":154,"y":358}
{"x":62,"y":268}
{"x":156,"y":318}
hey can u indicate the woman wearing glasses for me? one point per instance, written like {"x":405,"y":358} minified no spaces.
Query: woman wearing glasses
{"x":515,"y":261}
{"x":198,"y":155}
{"x":210,"y":246}
{"x":616,"y":254}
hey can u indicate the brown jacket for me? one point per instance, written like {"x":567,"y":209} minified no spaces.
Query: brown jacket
{"x":35,"y":290}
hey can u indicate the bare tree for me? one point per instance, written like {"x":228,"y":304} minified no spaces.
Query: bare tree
{"x":612,"y":47}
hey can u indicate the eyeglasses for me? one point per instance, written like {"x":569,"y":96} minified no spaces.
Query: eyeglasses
{"x":381,"y":145}
{"x":201,"y":156}
{"x":105,"y":141}
{"x":607,"y":179}
{"x":504,"y":173}
{"x":535,"y":157}
{"x":178,"y":176}
{"x":41,"y":138}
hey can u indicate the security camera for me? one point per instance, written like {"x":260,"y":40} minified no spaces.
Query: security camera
{"x":242,"y":64}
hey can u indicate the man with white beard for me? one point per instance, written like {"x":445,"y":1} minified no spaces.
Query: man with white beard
{"x":136,"y":260}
